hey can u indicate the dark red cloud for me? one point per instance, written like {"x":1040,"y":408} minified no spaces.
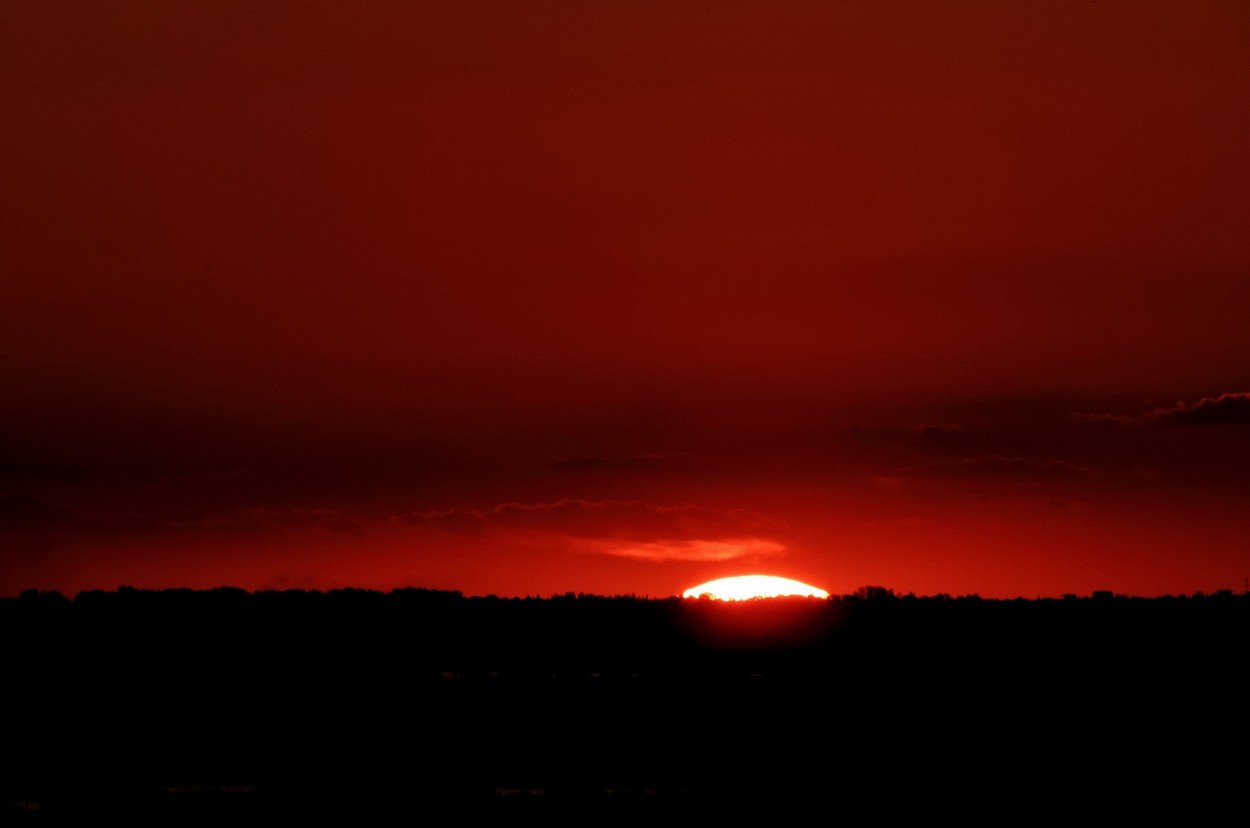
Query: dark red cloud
{"x":996,"y":466}
{"x":623,"y":528}
{"x":603,"y":518}
{"x":260,"y":519}
{"x":1226,"y":409}
{"x":20,"y":511}
{"x":1223,"y":409}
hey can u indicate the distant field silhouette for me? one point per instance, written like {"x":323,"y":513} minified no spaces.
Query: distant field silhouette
{"x":223,"y":705}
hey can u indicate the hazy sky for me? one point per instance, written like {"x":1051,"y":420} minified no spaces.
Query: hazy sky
{"x":620,"y":297}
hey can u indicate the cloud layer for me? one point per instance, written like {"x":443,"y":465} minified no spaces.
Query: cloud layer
{"x":622,"y":528}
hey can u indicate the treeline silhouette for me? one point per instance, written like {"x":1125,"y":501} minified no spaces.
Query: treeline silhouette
{"x":183,"y":705}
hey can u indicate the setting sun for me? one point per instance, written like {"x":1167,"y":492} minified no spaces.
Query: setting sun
{"x":745,"y":587}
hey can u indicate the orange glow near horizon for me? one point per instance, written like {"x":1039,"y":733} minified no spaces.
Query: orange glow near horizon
{"x":746,"y":587}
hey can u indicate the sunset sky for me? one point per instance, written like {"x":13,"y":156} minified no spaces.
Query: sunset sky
{"x":521,"y":298}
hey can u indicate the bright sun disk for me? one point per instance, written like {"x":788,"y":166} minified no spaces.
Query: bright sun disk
{"x":745,"y":587}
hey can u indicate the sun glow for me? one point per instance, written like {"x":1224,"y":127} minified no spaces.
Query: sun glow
{"x":745,"y":587}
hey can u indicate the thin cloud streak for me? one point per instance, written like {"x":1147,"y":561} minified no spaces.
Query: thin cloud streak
{"x":702,"y":551}
{"x":626,"y":519}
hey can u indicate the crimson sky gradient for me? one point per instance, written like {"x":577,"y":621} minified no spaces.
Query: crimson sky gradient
{"x":622,"y":297}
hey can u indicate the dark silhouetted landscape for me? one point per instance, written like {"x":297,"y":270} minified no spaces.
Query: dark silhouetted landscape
{"x":223,"y":706}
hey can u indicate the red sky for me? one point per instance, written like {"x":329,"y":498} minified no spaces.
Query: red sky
{"x":525,"y":298}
